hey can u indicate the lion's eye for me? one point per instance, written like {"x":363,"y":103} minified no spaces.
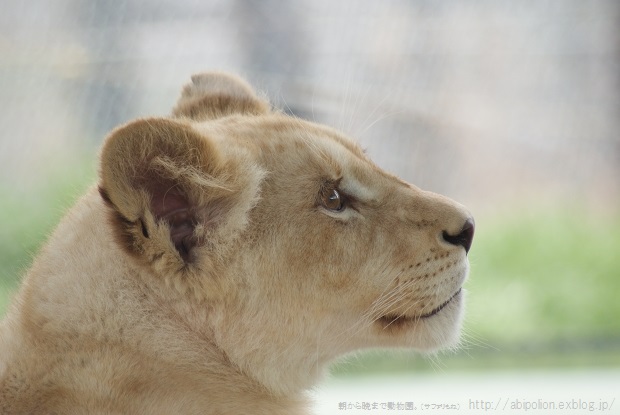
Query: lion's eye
{"x":332,"y":200}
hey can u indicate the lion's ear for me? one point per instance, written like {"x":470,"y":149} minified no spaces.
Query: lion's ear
{"x":213,"y":95}
{"x":169,"y":189}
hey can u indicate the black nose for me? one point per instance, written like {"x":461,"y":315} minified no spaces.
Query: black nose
{"x":464,"y":237}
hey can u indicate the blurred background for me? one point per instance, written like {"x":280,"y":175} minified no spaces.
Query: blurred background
{"x":512,"y":108}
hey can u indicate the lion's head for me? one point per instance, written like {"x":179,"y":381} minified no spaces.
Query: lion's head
{"x":297,"y":244}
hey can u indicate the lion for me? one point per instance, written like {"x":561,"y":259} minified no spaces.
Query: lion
{"x":226,"y":256}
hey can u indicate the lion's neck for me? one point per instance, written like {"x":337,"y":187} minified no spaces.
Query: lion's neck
{"x":285,"y":364}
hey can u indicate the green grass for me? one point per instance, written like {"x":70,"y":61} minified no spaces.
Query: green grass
{"x":543,"y":288}
{"x":546,"y":275}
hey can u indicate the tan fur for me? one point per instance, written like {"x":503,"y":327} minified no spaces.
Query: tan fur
{"x":205,"y":274}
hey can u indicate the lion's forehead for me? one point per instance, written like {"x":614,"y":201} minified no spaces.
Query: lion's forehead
{"x":282,"y":141}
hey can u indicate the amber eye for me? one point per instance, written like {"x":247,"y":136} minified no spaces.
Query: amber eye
{"x":331,"y":200}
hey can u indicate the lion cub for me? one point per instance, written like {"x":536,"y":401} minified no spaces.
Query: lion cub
{"x":227,"y":255}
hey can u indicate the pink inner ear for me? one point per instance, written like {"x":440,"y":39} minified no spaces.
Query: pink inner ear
{"x":167,"y":200}
{"x":171,"y":206}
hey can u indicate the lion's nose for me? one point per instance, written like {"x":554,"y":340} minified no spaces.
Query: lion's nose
{"x":464,"y":237}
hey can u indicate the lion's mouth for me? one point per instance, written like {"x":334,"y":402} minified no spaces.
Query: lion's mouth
{"x":398,"y":320}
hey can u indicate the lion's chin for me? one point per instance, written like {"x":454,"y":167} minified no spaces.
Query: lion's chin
{"x":437,"y":329}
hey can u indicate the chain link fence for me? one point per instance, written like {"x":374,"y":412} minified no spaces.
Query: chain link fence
{"x":486,"y":101}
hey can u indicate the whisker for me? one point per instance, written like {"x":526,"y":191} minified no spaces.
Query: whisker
{"x":385,"y":300}
{"x":372,"y":113}
{"x":402,"y":315}
{"x":381,"y":118}
{"x":436,"y":363}
{"x":477,"y":341}
{"x":395,"y":297}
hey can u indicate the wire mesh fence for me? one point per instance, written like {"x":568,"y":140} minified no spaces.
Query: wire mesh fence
{"x":482,"y":100}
